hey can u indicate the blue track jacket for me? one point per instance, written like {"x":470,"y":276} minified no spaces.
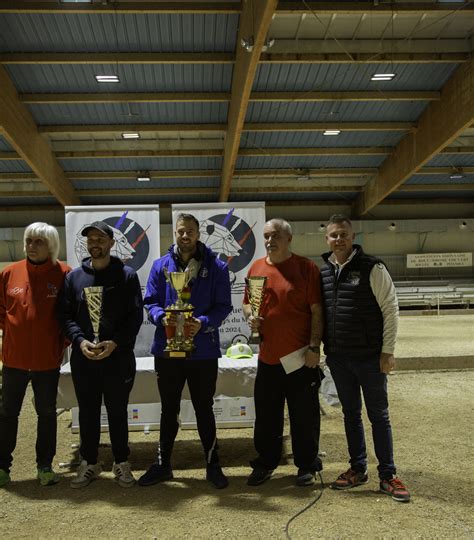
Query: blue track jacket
{"x":210,"y":296}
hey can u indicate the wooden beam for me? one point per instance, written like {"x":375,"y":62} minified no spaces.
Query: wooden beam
{"x":331,"y":151}
{"x":255,"y":21}
{"x":439,"y":125}
{"x":457,"y":149}
{"x":138,"y":153}
{"x":116,"y":58}
{"x":365,"y":58}
{"x":320,"y":126}
{"x":223,"y":97}
{"x":220,"y":128}
{"x":129,"y":97}
{"x":372,"y":8}
{"x":203,"y":8}
{"x":19,"y":128}
{"x":259,"y":152}
{"x":120,"y":128}
{"x":227,"y":58}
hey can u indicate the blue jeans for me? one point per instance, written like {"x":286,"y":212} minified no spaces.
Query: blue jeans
{"x":45,"y":388}
{"x":350,"y":374}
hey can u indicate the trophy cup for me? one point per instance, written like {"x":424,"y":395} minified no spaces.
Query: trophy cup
{"x":94,"y":307}
{"x":255,"y":292}
{"x":179,"y":344}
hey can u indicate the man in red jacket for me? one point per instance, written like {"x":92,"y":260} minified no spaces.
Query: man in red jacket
{"x":28,"y":295}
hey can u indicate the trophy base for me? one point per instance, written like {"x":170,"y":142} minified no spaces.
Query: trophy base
{"x":177,"y":354}
{"x":255,"y":339}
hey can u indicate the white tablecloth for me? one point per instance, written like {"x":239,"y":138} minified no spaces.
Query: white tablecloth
{"x":235,"y":379}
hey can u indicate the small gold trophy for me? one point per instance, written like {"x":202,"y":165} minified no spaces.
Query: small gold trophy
{"x":94,"y":297}
{"x":255,"y":292}
{"x":179,"y":344}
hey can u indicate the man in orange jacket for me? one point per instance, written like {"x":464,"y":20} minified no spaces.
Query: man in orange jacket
{"x":28,"y":297}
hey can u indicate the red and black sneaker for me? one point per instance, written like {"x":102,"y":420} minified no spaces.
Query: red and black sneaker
{"x":395,"y":488}
{"x":350,"y":479}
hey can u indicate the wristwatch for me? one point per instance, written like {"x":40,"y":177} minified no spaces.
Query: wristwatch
{"x":313,"y":348}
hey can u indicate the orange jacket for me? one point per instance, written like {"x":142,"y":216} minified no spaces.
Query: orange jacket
{"x":32,"y":337}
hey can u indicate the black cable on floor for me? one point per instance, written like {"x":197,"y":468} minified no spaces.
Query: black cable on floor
{"x":307,"y":507}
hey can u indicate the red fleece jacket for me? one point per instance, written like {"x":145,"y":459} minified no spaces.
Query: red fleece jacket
{"x":32,"y":338}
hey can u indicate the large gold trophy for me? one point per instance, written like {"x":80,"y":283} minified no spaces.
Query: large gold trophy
{"x":94,"y":296}
{"x":179,"y":344}
{"x":255,"y":292}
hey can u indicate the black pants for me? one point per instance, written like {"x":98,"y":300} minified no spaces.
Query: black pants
{"x":90,"y":386}
{"x":45,"y":388}
{"x":300,"y":389}
{"x":201,"y":376}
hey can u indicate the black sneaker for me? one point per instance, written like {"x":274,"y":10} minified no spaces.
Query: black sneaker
{"x":215,"y":476}
{"x":305,"y":477}
{"x":258,"y":476}
{"x":156,"y":473}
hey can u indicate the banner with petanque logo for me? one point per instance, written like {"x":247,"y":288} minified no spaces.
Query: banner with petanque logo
{"x":137,"y":243}
{"x":235,"y":233}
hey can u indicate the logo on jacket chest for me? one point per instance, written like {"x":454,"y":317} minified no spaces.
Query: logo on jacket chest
{"x":16,"y":290}
{"x":52,"y":290}
{"x":353,"y":278}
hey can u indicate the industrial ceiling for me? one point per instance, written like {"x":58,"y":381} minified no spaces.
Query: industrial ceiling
{"x":238,"y":101}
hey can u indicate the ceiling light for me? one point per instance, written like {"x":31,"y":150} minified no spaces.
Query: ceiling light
{"x":75,"y":1}
{"x":392,"y":226}
{"x":130,"y":135}
{"x":332,"y":132}
{"x":457,"y":174}
{"x":143,"y":176}
{"x":107,"y":78}
{"x":382,"y":76}
{"x":463,"y":225}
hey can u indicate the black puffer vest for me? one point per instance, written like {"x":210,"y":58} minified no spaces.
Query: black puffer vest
{"x":353,"y":319}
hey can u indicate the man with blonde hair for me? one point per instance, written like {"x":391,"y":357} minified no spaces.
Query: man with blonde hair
{"x":28,"y":295}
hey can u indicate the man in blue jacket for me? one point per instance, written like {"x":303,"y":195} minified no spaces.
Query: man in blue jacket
{"x":210,"y":295}
{"x":106,"y":369}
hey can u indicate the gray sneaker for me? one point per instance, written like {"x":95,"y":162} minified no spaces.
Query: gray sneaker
{"x":85,"y":474}
{"x":123,"y":474}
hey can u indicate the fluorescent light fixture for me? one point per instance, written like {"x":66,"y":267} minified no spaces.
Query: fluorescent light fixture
{"x":382,"y":76}
{"x":332,"y":132}
{"x":130,"y":135}
{"x":457,"y":174}
{"x":107,"y":78}
{"x":75,"y":1}
{"x":143,"y":177}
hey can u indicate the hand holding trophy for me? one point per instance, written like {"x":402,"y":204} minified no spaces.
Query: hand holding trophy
{"x":255,"y":292}
{"x":179,"y":343}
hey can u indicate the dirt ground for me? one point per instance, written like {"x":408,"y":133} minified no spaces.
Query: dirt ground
{"x":432,"y":418}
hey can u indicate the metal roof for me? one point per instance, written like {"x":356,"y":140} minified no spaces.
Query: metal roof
{"x":317,"y":70}
{"x":137,"y":78}
{"x":70,"y":32}
{"x":359,"y":111}
{"x":343,"y":77}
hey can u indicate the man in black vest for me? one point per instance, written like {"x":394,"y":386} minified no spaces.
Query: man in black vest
{"x":361,"y":320}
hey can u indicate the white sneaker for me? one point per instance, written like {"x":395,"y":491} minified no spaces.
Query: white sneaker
{"x":123,"y":474}
{"x":85,"y":474}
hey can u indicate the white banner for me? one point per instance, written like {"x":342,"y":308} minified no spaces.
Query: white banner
{"x":235,"y":232}
{"x":137,"y":243}
{"x":438,"y":260}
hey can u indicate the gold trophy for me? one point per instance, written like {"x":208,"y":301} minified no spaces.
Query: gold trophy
{"x":255,"y":292}
{"x":179,"y":344}
{"x":94,"y":297}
